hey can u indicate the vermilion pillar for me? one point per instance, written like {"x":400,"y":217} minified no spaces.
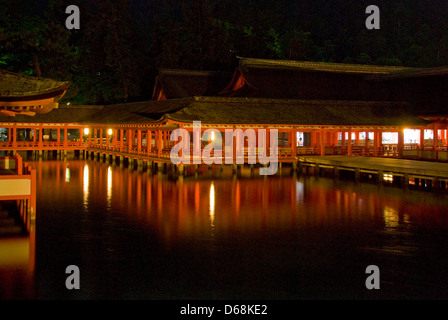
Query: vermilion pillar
{"x":375,"y":143}
{"x":322,"y":143}
{"x":400,"y":143}
{"x":349,"y":144}
{"x":293,"y":143}
{"x":422,"y":139}
{"x":435,"y":139}
{"x":14,"y":136}
{"x":139,"y":140}
{"x":159,"y":143}
{"x":41,"y":136}
{"x":65,"y":137}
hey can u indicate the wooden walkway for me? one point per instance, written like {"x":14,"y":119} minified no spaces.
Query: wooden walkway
{"x":408,"y":169}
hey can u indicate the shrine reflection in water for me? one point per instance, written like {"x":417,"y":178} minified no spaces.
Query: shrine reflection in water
{"x":135,"y":235}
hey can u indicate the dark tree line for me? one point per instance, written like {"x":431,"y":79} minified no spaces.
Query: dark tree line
{"x":121,"y":44}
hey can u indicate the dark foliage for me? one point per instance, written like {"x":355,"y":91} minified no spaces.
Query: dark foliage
{"x":115,"y":55}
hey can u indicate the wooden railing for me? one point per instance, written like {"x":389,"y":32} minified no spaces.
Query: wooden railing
{"x":36,"y":145}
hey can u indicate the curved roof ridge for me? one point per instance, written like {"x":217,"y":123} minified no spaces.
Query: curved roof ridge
{"x":19,"y":86}
{"x":322,"y":66}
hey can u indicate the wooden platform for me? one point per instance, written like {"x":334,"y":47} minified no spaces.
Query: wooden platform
{"x":411,"y":168}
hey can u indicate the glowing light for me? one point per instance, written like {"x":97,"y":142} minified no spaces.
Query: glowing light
{"x":109,"y":132}
{"x":67,"y":174}
{"x":388,"y":177}
{"x":212,"y":204}
{"x":411,"y":136}
{"x":212,"y":136}
{"x":391,"y":218}
{"x":86,"y":131}
{"x":109,"y":184}
{"x":85,"y":183}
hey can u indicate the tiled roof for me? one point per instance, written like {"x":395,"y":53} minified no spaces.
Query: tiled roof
{"x":17,"y":87}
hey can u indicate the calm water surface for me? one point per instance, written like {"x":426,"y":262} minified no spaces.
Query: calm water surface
{"x":140,"y":236}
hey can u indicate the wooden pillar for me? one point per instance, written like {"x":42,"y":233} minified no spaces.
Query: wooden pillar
{"x":65,"y":137}
{"x":422,"y":139}
{"x":139,"y":141}
{"x":159,"y":143}
{"x":101,"y":137}
{"x":322,"y":142}
{"x":121,"y":140}
{"x":366,"y":140}
{"x":343,"y":142}
{"x":435,"y":140}
{"x":357,"y":138}
{"x":58,"y":135}
{"x":293,"y":143}
{"x":114,"y":137}
{"x":400,"y":143}
{"x":148,"y":142}
{"x":349,"y":143}
{"x":375,"y":143}
{"x":14,"y":136}
{"x":313,"y":138}
{"x":129,"y":140}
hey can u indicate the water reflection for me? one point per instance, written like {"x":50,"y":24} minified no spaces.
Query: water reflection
{"x":109,"y":186}
{"x":191,"y":206}
{"x":156,"y":238}
{"x":212,"y":205}
{"x":85,"y":184}
{"x":17,"y":267}
{"x":67,"y":174}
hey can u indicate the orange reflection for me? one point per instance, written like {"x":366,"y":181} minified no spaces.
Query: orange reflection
{"x":189,"y":207}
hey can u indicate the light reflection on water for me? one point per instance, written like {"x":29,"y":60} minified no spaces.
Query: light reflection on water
{"x":138,"y":235}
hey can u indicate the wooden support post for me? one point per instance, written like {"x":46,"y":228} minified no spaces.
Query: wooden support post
{"x":435,"y":142}
{"x":139,"y":141}
{"x":335,"y":172}
{"x":322,"y":143}
{"x":357,"y":175}
{"x":159,"y":143}
{"x":400,"y":143}
{"x":406,"y":180}
{"x":293,"y":143}
{"x":349,"y":143}
{"x":14,"y":137}
{"x":114,"y":137}
{"x":422,"y":139}
{"x":65,"y":138}
{"x":375,"y":143}
{"x":148,"y":142}
{"x":380,"y":177}
{"x":129,"y":140}
{"x":81,"y":139}
{"x":41,"y":137}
